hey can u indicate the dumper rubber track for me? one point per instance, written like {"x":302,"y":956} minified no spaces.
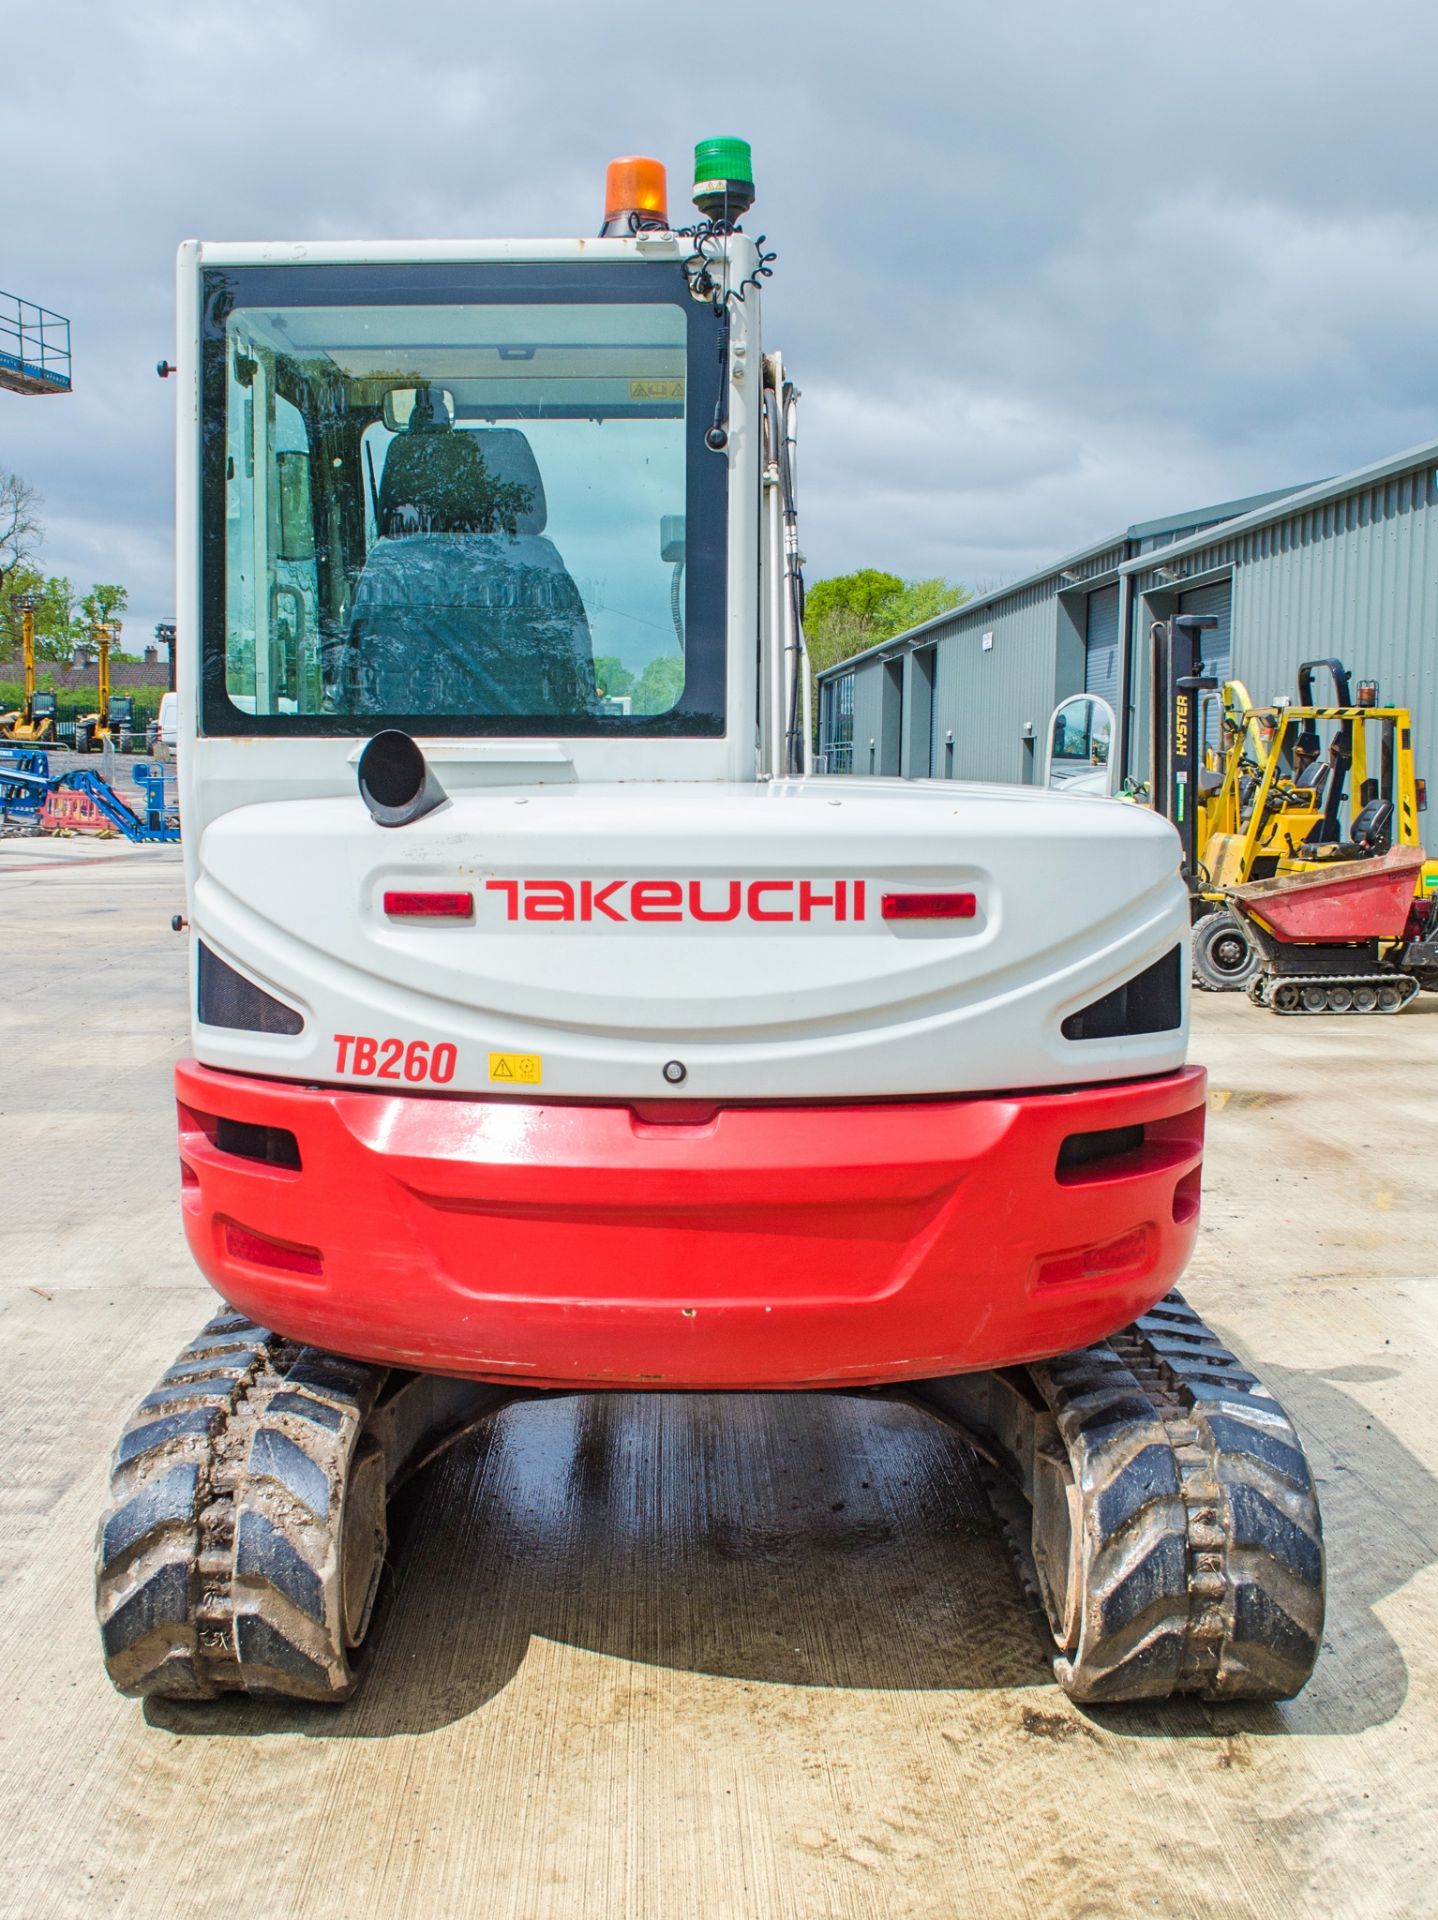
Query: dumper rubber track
{"x":1299,"y":993}
{"x":1159,"y":1500}
{"x":245,"y":1540}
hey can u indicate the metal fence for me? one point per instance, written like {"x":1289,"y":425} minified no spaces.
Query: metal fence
{"x":127,"y":739}
{"x":34,"y":347}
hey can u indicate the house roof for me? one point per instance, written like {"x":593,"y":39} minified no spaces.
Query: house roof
{"x":66,"y":678}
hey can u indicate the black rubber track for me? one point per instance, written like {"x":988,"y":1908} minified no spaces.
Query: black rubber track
{"x":219,"y":1561}
{"x":1199,"y":1560}
{"x":1130,"y":1566}
{"x":1159,"y":1508}
{"x":1390,"y":992}
{"x":1255,"y":1537}
{"x":148,"y":1549}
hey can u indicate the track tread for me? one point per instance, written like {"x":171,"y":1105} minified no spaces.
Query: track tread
{"x":1195,"y":1545}
{"x":1256,"y":1536}
{"x":218,"y":1562}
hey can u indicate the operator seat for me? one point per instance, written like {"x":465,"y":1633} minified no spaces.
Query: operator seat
{"x":1373,"y":827}
{"x":464,"y":607}
{"x":433,"y":476}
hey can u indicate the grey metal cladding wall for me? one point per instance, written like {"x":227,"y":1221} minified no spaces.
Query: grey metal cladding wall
{"x":986,"y":698}
{"x":868,"y":694}
{"x":1355,"y":578}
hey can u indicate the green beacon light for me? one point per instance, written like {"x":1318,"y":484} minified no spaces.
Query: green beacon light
{"x":723,"y":179}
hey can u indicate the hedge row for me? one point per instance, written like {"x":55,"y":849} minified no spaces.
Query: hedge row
{"x":77,"y":700}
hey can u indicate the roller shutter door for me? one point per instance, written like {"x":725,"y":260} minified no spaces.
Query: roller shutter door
{"x":1100,"y":673}
{"x":1216,"y":599}
{"x":1218,"y":643}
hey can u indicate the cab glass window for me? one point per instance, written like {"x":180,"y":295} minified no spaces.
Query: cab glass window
{"x":462,"y":514}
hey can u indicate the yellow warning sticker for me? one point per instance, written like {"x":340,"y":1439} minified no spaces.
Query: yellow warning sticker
{"x":516,"y":1069}
{"x":656,"y":389}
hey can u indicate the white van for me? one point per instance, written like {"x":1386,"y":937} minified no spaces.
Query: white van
{"x":164,"y":730}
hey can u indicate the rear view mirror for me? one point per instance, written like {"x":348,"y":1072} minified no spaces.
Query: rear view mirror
{"x":297,"y":520}
{"x":399,"y":405}
{"x":1080,"y":757}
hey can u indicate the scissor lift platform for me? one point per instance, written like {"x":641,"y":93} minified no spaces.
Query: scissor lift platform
{"x":34,"y":347}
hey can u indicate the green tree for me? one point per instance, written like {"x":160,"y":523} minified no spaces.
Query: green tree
{"x":612,"y":677}
{"x":56,"y":624}
{"x":103,"y":603}
{"x":660,"y":685}
{"x":866,"y":597}
{"x":852,"y":611}
{"x":924,"y":600}
{"x":61,"y":619}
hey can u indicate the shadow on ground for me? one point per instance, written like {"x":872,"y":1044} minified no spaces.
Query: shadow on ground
{"x":798,"y":1539}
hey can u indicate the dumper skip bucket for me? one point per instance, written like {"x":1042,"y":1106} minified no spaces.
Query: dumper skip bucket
{"x":1350,"y":900}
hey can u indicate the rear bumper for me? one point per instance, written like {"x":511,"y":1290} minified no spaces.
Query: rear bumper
{"x":749,"y":1247}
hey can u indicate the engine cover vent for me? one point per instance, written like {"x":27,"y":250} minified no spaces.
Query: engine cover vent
{"x":1152,"y":1002}
{"x":228,"y":999}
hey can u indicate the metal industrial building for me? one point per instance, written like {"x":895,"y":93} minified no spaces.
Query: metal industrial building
{"x":1345,"y":568}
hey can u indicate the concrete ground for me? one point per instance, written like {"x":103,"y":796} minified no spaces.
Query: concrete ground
{"x":693,"y":1658}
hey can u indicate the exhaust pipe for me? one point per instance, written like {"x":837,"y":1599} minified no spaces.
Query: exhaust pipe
{"x":396,"y":782}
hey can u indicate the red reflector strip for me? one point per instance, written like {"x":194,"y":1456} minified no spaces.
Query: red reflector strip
{"x":929,"y":906}
{"x":429,"y":906}
{"x":1128,"y":1255}
{"x":261,"y":1251}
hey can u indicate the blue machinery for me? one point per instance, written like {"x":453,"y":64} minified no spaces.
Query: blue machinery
{"x":26,"y":784}
{"x":34,"y":347}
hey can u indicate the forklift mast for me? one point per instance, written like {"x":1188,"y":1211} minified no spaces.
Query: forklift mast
{"x":102,"y":637}
{"x":27,"y":644}
{"x":1177,"y":682}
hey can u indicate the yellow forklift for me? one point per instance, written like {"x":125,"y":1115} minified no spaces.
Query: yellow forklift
{"x":1261,"y":793}
{"x":38,"y":716}
{"x":114,"y":717}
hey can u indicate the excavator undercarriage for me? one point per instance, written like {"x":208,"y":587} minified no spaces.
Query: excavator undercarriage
{"x":1151,"y":1488}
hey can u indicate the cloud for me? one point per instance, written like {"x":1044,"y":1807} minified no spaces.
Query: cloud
{"x":1043,"y":270}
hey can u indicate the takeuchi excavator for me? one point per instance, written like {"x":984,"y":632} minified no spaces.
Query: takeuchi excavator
{"x":556,"y":1031}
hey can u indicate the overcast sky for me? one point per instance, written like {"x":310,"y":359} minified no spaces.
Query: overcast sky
{"x":1044,"y":269}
